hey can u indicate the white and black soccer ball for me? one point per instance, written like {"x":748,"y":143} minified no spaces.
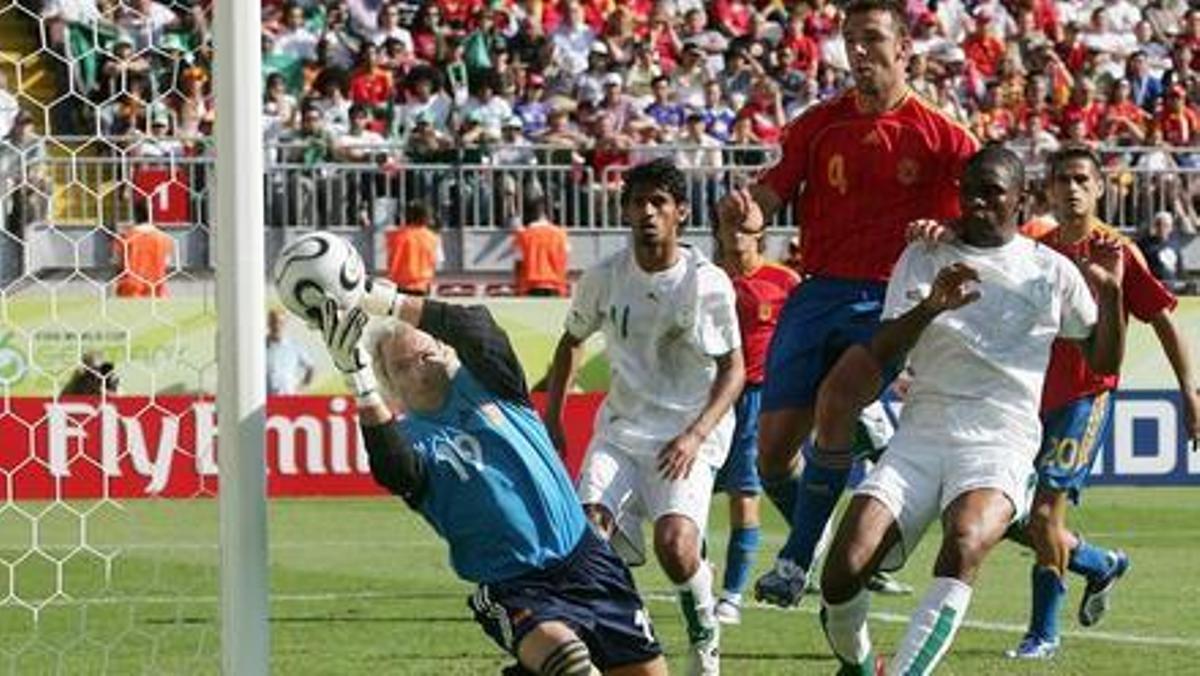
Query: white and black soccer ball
{"x":317,"y":266}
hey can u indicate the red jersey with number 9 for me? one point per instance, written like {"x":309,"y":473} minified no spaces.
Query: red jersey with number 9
{"x":858,"y":179}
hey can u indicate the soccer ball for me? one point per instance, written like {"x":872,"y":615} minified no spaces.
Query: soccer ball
{"x":315,"y":267}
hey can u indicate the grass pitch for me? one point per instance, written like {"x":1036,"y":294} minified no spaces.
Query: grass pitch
{"x":362,"y":586}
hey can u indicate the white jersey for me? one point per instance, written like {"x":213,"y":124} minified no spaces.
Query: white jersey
{"x":662,"y":333}
{"x":978,"y":370}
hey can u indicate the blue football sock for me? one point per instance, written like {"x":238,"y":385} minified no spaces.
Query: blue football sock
{"x":739,"y":558}
{"x":1091,"y":561}
{"x":820,"y":488}
{"x":1049,"y":590}
{"x":782,"y":491}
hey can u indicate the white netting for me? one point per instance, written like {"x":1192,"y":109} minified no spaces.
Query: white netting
{"x":108,"y":550}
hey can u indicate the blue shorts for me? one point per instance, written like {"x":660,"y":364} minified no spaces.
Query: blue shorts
{"x":821,"y":318}
{"x":1071,"y":439}
{"x":739,"y":474}
{"x":591,"y":591}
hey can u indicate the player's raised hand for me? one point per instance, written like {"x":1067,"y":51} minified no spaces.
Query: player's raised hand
{"x":676,"y":459}
{"x":953,"y":288}
{"x":381,"y":297}
{"x":342,"y":331}
{"x":1104,"y":265}
{"x":929,"y":231}
{"x":739,"y":210}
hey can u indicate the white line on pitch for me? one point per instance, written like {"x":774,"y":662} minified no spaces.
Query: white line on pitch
{"x":890,"y":618}
{"x":1001,"y":627}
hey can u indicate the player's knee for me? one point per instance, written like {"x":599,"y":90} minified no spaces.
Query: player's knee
{"x":571,"y":658}
{"x":964,"y":546}
{"x":846,"y":567}
{"x":677,"y":546}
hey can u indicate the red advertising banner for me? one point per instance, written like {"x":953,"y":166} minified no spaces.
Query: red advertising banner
{"x":166,"y":192}
{"x":131,"y":447}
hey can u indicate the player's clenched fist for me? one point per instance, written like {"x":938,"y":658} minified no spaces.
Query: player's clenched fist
{"x":739,"y":210}
{"x":953,"y":288}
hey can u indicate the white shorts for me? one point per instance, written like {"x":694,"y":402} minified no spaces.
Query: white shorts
{"x":916,"y":484}
{"x":631,"y":488}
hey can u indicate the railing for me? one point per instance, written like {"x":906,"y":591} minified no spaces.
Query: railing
{"x":58,"y":183}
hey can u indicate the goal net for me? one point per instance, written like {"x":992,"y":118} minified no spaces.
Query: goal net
{"x":108,"y":529}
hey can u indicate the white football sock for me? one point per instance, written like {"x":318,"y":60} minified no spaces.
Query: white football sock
{"x":846,"y":627}
{"x":697,"y":601}
{"x":932,"y":628}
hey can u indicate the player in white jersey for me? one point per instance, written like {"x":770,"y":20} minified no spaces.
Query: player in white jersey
{"x":669,"y":322}
{"x":976,"y":319}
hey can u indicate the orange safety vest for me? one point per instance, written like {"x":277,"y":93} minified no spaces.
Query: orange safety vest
{"x":143,"y":252}
{"x":412,"y":257}
{"x":543,"y":249}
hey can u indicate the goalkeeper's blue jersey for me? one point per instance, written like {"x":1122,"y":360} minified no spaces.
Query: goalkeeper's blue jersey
{"x":496,"y":489}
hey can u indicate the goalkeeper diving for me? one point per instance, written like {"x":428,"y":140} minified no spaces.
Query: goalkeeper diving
{"x":471,"y":455}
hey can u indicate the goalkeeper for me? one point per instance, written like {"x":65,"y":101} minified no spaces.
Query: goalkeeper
{"x":472,"y":457}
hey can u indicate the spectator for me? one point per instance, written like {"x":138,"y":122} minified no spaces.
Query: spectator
{"x":718,"y":117}
{"x":1179,"y":122}
{"x":639,"y":81}
{"x":614,"y":103}
{"x":296,"y":41}
{"x":1161,"y":250}
{"x":339,"y":44}
{"x":142,"y":253}
{"x":1124,"y":121}
{"x":487,"y":106}
{"x":663,"y":110}
{"x":388,"y":27}
{"x":289,"y":368}
{"x":541,"y":249}
{"x":23,"y":183}
{"x":982,"y":48}
{"x":589,"y":84}
{"x":8,"y":107}
{"x":689,"y":76}
{"x":532,"y":108}
{"x":1145,"y":88}
{"x":93,"y":377}
{"x":765,"y":110}
{"x":414,"y":251}
{"x":371,"y":85}
{"x":573,"y":40}
{"x":333,"y":102}
{"x":424,"y":100}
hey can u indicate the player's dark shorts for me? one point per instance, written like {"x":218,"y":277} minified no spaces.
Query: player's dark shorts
{"x":821,"y":318}
{"x":1071,"y":438}
{"x":739,"y":474}
{"x":591,"y":591}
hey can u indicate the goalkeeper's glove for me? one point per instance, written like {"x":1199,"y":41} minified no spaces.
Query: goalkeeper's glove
{"x":343,"y":332}
{"x":383,"y":298}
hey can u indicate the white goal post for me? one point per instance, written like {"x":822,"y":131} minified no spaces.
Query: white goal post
{"x":241,"y":385}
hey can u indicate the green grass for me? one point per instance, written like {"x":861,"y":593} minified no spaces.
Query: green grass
{"x":362,"y":586}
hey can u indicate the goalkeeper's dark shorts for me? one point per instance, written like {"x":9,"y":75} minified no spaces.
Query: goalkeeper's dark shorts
{"x":591,"y":591}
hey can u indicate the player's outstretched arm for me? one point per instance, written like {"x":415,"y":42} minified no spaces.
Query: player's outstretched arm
{"x":1175,"y":347}
{"x":383,"y":299}
{"x":567,"y":356}
{"x":1105,"y":270}
{"x":952,"y":288}
{"x":394,"y":464}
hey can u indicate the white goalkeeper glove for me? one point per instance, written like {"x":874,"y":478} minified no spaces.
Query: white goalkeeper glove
{"x":342,"y":331}
{"x":382,"y":299}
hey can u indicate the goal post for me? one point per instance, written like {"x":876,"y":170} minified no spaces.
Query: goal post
{"x":241,"y":295}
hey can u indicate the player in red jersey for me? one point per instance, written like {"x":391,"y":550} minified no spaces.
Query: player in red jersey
{"x":857,"y":170}
{"x":762,"y":288}
{"x":1077,"y":408}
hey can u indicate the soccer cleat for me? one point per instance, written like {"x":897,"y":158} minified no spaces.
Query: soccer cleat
{"x":782,"y":586}
{"x":886,"y":585}
{"x":1096,"y":597}
{"x":704,"y":657}
{"x":1033,"y":648}
{"x":728,"y":611}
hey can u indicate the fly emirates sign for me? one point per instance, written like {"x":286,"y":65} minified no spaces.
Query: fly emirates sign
{"x":125,"y":447}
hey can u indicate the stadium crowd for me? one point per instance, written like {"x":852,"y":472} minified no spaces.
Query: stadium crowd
{"x":598,"y":85}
